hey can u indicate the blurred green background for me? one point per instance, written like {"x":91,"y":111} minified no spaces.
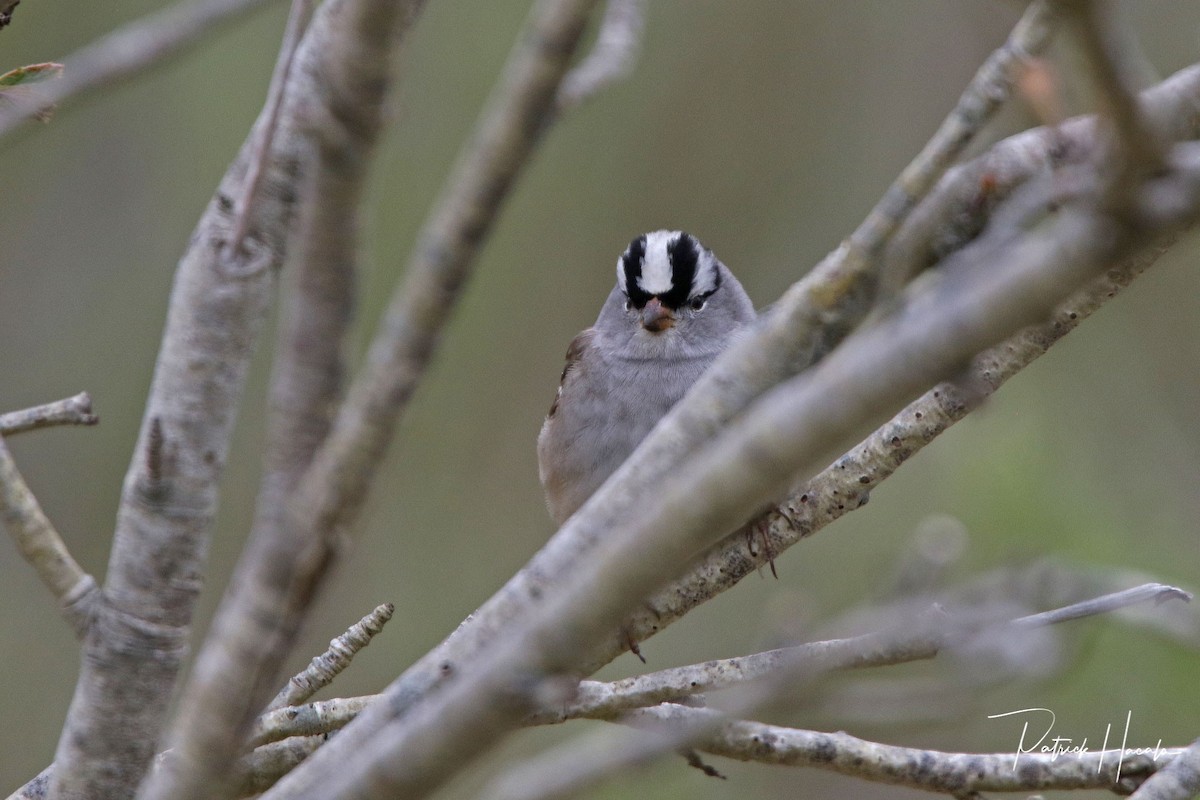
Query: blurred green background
{"x":768,"y":129}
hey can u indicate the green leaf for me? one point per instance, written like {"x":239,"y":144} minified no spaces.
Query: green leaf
{"x":31,"y":74}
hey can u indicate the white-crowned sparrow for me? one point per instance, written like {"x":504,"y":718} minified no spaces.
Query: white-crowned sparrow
{"x":674,"y":308}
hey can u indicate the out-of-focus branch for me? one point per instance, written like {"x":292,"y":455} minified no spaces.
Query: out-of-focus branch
{"x":42,"y":547}
{"x":263,"y":766}
{"x":1179,"y":780}
{"x":324,"y":668}
{"x":816,"y":313}
{"x":1136,"y":151}
{"x":613,"y":56}
{"x":128,"y":51}
{"x":75,"y":410}
{"x":344,"y":61}
{"x":298,"y":17}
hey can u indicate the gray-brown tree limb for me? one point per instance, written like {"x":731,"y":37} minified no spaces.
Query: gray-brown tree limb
{"x":956,"y":774}
{"x":1009,"y":278}
{"x":75,"y":410}
{"x":127,"y":52}
{"x":42,"y":546}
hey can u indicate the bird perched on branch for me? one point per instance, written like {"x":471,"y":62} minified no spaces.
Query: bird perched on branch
{"x":674,"y":309}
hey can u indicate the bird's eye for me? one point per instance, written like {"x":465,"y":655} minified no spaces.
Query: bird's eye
{"x":698,"y":303}
{"x":628,"y":304}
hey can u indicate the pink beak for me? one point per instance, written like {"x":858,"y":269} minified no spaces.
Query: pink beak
{"x":656,"y":317}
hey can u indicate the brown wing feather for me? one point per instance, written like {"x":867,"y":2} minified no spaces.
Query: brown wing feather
{"x":574,"y":353}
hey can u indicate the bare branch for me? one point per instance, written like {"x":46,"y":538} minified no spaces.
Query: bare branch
{"x":42,"y":547}
{"x":325,"y":667}
{"x":613,"y":56}
{"x":323,"y":716}
{"x":75,"y":410}
{"x":298,"y":18}
{"x":1137,"y":150}
{"x":957,"y":774}
{"x":128,"y":51}
{"x":265,"y":765}
{"x":1179,"y":780}
{"x":1158,"y":592}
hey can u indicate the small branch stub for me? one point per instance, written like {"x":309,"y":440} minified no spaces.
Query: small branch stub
{"x":75,"y":410}
{"x":325,"y":667}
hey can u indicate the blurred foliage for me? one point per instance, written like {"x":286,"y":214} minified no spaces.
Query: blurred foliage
{"x":768,"y":130}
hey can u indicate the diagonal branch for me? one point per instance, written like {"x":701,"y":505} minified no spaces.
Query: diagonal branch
{"x":40,"y":544}
{"x":128,"y":51}
{"x":613,"y":56}
{"x":324,"y":668}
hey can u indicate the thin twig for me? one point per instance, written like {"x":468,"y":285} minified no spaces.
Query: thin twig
{"x":43,"y":548}
{"x":1136,"y":150}
{"x":310,"y":719}
{"x":297,"y":22}
{"x":515,"y":118}
{"x":128,"y":51}
{"x":613,"y":56}
{"x":324,"y":668}
{"x":1157,"y":592}
{"x":75,"y":410}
